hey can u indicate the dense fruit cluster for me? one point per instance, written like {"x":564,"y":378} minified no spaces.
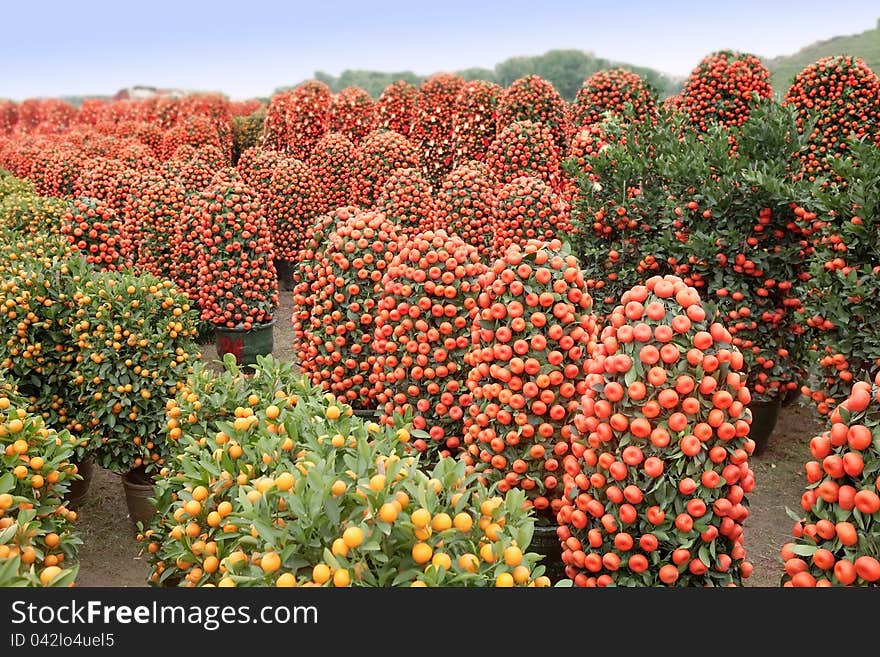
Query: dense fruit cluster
{"x":464,"y":206}
{"x":655,"y":487}
{"x":432,"y":131}
{"x":836,"y":541}
{"x":297,"y":119}
{"x":352,"y":113}
{"x":532,"y":98}
{"x":347,"y":285}
{"x":382,"y":152}
{"x":157,"y":209}
{"x":292,"y":201}
{"x":530,"y":342}
{"x":37,"y":542}
{"x":526,"y":208}
{"x":612,"y":91}
{"x":474,"y":126}
{"x":237,"y":281}
{"x":836,"y":98}
{"x":332,"y":164}
{"x":406,"y":200}
{"x":724,"y":87}
{"x":396,"y":107}
{"x":423,"y":326}
{"x":524,"y":148}
{"x":94,"y":228}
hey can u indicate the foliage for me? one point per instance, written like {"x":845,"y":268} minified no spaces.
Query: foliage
{"x":36,"y":531}
{"x":134,"y":339}
{"x":281,"y":486}
{"x":841,"y":300}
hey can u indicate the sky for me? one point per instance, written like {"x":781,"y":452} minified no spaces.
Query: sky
{"x":249,"y":48}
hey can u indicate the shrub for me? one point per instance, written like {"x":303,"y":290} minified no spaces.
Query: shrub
{"x":94,"y":228}
{"x":617,"y":90}
{"x":297,"y":119}
{"x":524,"y":148}
{"x":292,"y":201}
{"x":134,"y":336}
{"x":841,"y":305}
{"x":36,"y":351}
{"x":305,"y":292}
{"x":192,"y":131}
{"x":335,"y":352}
{"x":195,"y":169}
{"x":655,"y":487}
{"x":530,"y":342}
{"x":256,"y":168}
{"x":27,"y":213}
{"x":332,"y":165}
{"x":238,"y":284}
{"x":104,"y":179}
{"x":247,"y":131}
{"x":406,"y":200}
{"x":836,"y":536}
{"x":526,"y":208}
{"x":381,"y":153}
{"x":723,"y":88}
{"x":836,"y":98}
{"x":282,"y":487}
{"x":532,"y":98}
{"x":396,"y":107}
{"x":37,"y":542}
{"x":432,"y":131}
{"x":422,"y":334}
{"x":352,"y":113}
{"x":156,"y":211}
{"x":473,"y":127}
{"x":464,"y":206}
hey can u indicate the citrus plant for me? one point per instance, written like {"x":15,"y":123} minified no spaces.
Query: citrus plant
{"x":37,"y":542}
{"x":290,"y":488}
{"x":464,"y":205}
{"x":836,"y":536}
{"x":134,"y":339}
{"x":238,"y":284}
{"x":530,"y":341}
{"x":423,"y":325}
{"x":654,"y":489}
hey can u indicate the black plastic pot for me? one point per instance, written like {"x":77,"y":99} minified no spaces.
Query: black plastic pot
{"x":545,"y":542}
{"x":284,"y":269}
{"x":765,"y":414}
{"x":245,"y":345}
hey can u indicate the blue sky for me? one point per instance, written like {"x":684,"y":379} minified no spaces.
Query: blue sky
{"x":249,"y":47}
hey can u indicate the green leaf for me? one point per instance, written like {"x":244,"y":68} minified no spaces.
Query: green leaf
{"x":804,"y":550}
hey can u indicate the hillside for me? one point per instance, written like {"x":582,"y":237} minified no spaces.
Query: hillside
{"x":865,"y":45}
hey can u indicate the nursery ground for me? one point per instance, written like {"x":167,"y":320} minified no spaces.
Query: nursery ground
{"x":110,"y":555}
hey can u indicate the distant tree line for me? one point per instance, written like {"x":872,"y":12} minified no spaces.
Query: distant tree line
{"x":566,"y":69}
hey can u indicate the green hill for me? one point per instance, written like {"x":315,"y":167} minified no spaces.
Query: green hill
{"x":865,"y":45}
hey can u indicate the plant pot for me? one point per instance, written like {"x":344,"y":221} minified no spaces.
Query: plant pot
{"x":79,"y":488}
{"x":245,"y":345}
{"x":284,"y":269}
{"x":765,"y":414}
{"x":139,"y":488}
{"x":545,"y":542}
{"x":791,"y":397}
